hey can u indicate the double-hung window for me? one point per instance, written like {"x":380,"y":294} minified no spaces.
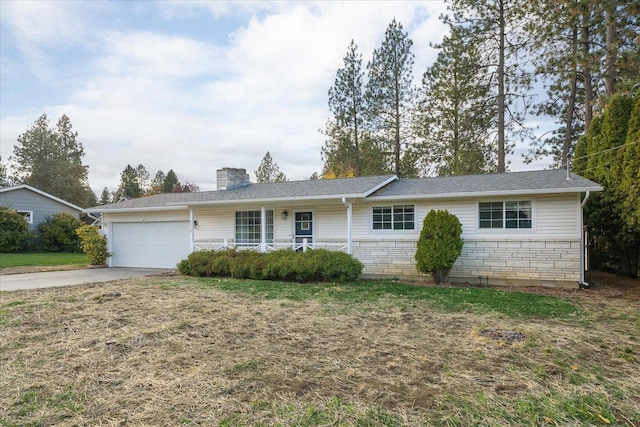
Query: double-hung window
{"x":249,"y":227}
{"x":396,"y":217}
{"x":508,"y":214}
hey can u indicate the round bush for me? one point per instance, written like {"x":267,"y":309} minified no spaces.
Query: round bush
{"x":58,"y":233}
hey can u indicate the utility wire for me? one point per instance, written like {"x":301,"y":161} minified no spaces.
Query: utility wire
{"x":599,"y":153}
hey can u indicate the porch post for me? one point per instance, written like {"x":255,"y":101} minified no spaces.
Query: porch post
{"x":191,"y":231}
{"x":349,"y":206}
{"x":263,"y":229}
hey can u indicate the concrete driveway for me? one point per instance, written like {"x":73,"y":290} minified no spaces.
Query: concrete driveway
{"x":12,"y":282}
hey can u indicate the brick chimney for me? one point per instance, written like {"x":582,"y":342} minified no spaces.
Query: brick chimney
{"x":228,"y":178}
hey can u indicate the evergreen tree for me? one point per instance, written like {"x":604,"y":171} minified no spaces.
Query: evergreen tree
{"x":130,"y":187}
{"x":614,"y":235}
{"x":584,"y":51}
{"x":50,"y":159}
{"x":268,"y":171}
{"x":496,"y":27}
{"x":105,"y":197}
{"x":169,"y":182}
{"x":631,"y":169}
{"x":346,"y":102}
{"x":455,"y":113}
{"x":389,"y":96}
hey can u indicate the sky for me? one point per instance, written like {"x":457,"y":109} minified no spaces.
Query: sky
{"x":193,"y":86}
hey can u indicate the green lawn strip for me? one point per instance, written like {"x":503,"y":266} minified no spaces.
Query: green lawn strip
{"x":479,"y":300}
{"x":41,"y":259}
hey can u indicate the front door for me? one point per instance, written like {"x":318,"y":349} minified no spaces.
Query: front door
{"x":304,"y":228}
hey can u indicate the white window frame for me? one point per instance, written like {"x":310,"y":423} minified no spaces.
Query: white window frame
{"x":270,"y":227}
{"x":504,"y":228}
{"x":393,"y":213}
{"x":28,"y":215}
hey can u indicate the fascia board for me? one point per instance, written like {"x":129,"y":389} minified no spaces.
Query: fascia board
{"x":458,"y":195}
{"x":275,"y":200}
{"x":142,"y":209}
{"x":379,"y":186}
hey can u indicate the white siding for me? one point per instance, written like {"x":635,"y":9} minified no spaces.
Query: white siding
{"x":546,"y":253}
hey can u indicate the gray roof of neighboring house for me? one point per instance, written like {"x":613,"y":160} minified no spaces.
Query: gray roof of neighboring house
{"x":372,"y":187}
{"x":40,"y":192}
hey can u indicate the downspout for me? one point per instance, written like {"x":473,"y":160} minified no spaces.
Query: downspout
{"x":349,"y":220}
{"x":582,"y":283}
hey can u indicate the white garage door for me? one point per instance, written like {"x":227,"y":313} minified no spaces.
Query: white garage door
{"x":149,"y":244}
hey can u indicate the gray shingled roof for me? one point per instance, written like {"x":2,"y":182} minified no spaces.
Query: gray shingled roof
{"x":531,"y":182}
{"x":373,"y":187}
{"x":290,"y":190}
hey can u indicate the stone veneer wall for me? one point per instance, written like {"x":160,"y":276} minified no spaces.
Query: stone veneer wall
{"x":525,"y":262}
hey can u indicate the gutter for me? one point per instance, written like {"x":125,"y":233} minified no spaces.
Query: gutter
{"x":582,"y":283}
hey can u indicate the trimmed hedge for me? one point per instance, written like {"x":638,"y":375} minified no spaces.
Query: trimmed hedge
{"x":318,"y":265}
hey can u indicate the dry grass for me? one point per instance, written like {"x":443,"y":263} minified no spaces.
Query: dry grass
{"x":164,"y":351}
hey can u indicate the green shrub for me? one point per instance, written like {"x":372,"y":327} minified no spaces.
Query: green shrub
{"x":281,"y":265}
{"x":285,"y":265}
{"x":439,"y":245}
{"x":93,"y":244}
{"x":58,"y":233}
{"x":13,"y":230}
{"x":207,"y":264}
{"x":247,"y":265}
{"x":32,"y":242}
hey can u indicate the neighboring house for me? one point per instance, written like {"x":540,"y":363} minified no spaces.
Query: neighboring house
{"x":519,"y":227}
{"x":36,"y":205}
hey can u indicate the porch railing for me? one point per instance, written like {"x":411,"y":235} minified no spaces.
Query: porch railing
{"x":221,"y":245}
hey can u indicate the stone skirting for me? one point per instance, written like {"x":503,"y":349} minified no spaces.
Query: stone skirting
{"x":513,"y":262}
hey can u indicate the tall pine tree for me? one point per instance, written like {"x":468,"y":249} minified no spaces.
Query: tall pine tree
{"x":455,"y":112}
{"x":268,"y":171}
{"x":389,"y":96}
{"x":50,"y":159}
{"x":496,"y":27}
{"x":346,"y":103}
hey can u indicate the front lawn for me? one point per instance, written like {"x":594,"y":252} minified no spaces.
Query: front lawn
{"x":174,"y":350}
{"x":41,"y":259}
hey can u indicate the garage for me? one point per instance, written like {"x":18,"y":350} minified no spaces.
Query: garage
{"x":149,"y":244}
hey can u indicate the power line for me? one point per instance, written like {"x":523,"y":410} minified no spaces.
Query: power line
{"x":599,"y":153}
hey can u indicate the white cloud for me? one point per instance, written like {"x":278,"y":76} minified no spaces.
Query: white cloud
{"x":188,"y":101}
